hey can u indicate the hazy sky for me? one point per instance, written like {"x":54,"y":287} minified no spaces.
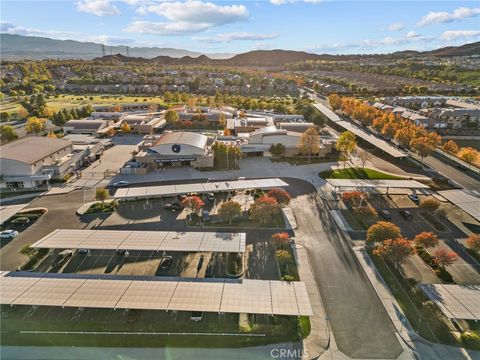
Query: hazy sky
{"x":226,"y":26}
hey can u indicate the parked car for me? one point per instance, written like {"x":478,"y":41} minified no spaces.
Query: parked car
{"x":122,"y":252}
{"x":121,"y":184}
{"x":196,"y":316}
{"x":166,"y":262}
{"x":83,"y":251}
{"x":205,"y":216}
{"x":414,"y":198}
{"x":173,"y":206}
{"x":211,"y":197}
{"x":8,"y":234}
{"x":62,"y":258}
{"x":461,"y":167}
{"x":385,"y":214}
{"x":200,"y":263}
{"x":407,"y":215}
{"x":21,"y":221}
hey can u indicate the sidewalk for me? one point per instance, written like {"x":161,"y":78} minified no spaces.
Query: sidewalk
{"x":415,"y":346}
{"x":320,"y":335}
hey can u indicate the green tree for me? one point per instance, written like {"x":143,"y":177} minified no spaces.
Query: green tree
{"x":7,"y":133}
{"x":230,"y":210}
{"x":346,"y":143}
{"x":277,"y":150}
{"x":171,"y":116}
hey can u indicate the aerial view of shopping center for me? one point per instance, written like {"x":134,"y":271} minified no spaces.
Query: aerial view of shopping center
{"x":256,"y":196}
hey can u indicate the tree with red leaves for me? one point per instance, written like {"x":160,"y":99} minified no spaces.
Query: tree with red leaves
{"x":473,"y":242}
{"x":395,"y":250}
{"x":280,"y":239}
{"x":282,"y":196}
{"x":264,"y":209}
{"x":444,"y":257}
{"x":426,"y":239}
{"x":193,"y":203}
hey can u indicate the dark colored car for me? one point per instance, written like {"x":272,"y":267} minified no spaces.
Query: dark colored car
{"x":205,"y":216}
{"x":407,"y":215}
{"x":385,"y":214}
{"x":414,"y":198}
{"x":166,"y":263}
{"x":173,"y":206}
{"x":200,"y":263}
{"x":61,"y":259}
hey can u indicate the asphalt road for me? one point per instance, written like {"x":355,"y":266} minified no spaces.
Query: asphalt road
{"x":360,"y":324}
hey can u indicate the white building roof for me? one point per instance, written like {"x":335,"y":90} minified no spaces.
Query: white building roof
{"x":218,"y":186}
{"x":183,"y":137}
{"x":455,"y":301}
{"x":154,"y":293}
{"x":379,"y":143}
{"x":465,"y":201}
{"x":143,"y":240}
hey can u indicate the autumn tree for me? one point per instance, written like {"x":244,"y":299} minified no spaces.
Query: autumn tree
{"x":346,"y":143}
{"x":264,"y":209}
{"x":395,"y":250}
{"x":125,"y":128}
{"x":354,"y":198}
{"x":277,"y":150}
{"x":193,"y":204}
{"x":469,"y":155}
{"x":52,"y":135}
{"x":7,"y":133}
{"x":426,"y":239}
{"x":35,"y":125}
{"x":430,"y":204}
{"x":404,"y":135}
{"x":335,"y":101}
{"x":309,"y":142}
{"x":364,"y":156}
{"x":280,"y":239}
{"x":473,"y":242}
{"x":281,"y":195}
{"x":445,"y":257}
{"x":101,"y":194}
{"x":230,"y":210}
{"x":451,"y":147}
{"x":382,"y":230}
{"x":366,"y":212}
{"x":422,"y":146}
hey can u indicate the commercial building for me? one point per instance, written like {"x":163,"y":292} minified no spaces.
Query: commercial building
{"x":93,"y":127}
{"x":30,"y":161}
{"x":144,"y":123}
{"x":180,"y":148}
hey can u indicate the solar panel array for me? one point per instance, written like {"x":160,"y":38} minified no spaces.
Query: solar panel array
{"x":468,"y":203}
{"x":175,"y":294}
{"x":210,"y":187}
{"x":455,"y":301}
{"x":143,"y":240}
{"x":405,"y":184}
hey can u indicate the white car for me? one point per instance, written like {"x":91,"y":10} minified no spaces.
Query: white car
{"x":121,"y":184}
{"x":8,"y":234}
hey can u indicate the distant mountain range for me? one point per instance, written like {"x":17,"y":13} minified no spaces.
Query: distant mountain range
{"x":14,"y":47}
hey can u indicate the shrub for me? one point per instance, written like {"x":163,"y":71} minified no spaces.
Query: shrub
{"x":471,"y":339}
{"x":304,"y":326}
{"x":280,"y":239}
{"x":430,"y":204}
{"x":440,"y":271}
{"x":27,"y":250}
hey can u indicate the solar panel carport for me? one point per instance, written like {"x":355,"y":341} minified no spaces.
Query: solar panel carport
{"x":143,"y":240}
{"x":153,"y":293}
{"x":199,"y":188}
{"x":374,"y":184}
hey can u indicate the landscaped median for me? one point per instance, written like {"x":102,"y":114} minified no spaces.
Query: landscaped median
{"x":357,"y":173}
{"x":97,"y":207}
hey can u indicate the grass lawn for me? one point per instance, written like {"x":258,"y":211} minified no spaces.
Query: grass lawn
{"x":357,"y":173}
{"x":276,"y":328}
{"x":355,"y":223}
{"x":433,"y":325}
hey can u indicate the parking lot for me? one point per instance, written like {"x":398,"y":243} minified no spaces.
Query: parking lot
{"x":139,"y":263}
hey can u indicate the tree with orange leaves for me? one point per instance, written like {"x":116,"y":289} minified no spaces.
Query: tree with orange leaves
{"x":395,"y":250}
{"x":451,"y":147}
